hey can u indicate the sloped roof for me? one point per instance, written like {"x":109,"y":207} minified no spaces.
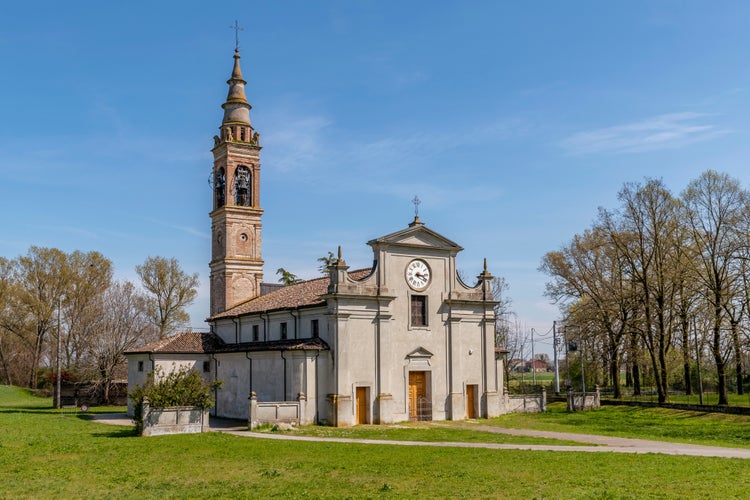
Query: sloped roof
{"x":185,"y":342}
{"x":312,"y":344}
{"x":415,"y":236}
{"x":302,"y":294}
{"x":209,"y":343}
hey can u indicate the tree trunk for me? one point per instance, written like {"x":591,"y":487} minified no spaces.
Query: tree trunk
{"x":636,"y":380}
{"x":4,"y":368}
{"x":720,"y":365}
{"x":686,"y":355}
{"x":737,"y":356}
{"x":614,"y":368}
{"x":38,"y":344}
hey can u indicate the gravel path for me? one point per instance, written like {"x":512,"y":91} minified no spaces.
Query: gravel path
{"x":600,"y":444}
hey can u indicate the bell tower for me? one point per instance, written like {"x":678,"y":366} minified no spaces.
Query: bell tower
{"x":236,"y":263}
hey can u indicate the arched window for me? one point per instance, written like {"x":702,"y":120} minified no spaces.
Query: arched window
{"x":242,"y":186}
{"x":220,"y":187}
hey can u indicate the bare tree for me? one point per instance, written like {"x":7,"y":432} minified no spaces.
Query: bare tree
{"x":171,"y":289}
{"x":90,"y":277}
{"x":124,"y":322}
{"x":594,"y":292}
{"x":715,"y":209}
{"x":647,"y":233}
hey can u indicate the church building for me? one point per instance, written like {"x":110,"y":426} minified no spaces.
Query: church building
{"x":404,"y":339}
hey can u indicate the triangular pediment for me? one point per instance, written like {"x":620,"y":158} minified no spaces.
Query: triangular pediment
{"x":416,"y":235}
{"x":419,"y":353}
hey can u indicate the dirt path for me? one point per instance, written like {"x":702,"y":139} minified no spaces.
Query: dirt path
{"x":600,"y":444}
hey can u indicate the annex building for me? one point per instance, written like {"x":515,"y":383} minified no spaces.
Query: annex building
{"x":404,"y":339}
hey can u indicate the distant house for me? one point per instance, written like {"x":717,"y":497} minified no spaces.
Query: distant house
{"x":536,"y":365}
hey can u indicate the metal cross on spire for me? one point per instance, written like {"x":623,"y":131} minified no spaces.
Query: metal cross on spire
{"x":237,"y":30}
{"x":416,"y":205}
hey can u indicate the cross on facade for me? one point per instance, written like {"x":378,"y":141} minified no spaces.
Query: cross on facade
{"x":237,"y":30}
{"x":416,"y":205}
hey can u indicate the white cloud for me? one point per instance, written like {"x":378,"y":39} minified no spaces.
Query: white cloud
{"x":666,"y":131}
{"x":295,"y":142}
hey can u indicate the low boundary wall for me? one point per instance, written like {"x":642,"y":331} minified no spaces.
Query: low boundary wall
{"x":173,"y":420}
{"x":579,"y":401}
{"x":525,"y":403}
{"x":276,"y":412}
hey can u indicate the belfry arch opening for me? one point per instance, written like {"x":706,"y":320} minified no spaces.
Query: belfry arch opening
{"x":242,"y":182}
{"x":220,"y":188}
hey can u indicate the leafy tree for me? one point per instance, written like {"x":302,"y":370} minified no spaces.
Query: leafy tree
{"x":286,"y":277}
{"x":41,"y":276}
{"x":7,"y":353}
{"x":172,"y":291}
{"x":325,"y":262}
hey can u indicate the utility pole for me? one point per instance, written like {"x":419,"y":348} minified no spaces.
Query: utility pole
{"x":533,"y":360}
{"x":583,"y":378}
{"x":554,"y":351}
{"x":57,"y":368}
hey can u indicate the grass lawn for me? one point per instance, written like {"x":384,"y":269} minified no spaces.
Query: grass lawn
{"x":423,"y":432}
{"x":661,"y":424}
{"x":46,"y":455}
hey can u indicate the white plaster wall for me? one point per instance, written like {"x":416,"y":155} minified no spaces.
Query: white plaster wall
{"x":233,"y":369}
{"x":136,"y":377}
{"x":459,"y":358}
{"x":164,"y":364}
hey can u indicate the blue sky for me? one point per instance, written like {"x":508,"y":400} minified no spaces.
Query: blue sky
{"x":512,"y":122}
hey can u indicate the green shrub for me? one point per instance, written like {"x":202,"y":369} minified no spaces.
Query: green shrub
{"x":183,"y":387}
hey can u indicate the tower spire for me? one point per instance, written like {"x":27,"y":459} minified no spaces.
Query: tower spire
{"x":236,"y":108}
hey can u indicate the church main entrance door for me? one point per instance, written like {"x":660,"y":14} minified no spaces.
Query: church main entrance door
{"x":361,"y":405}
{"x":420,"y":407}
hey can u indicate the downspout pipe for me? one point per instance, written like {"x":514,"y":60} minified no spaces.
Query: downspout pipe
{"x":250,"y":377}
{"x":216,"y":389}
{"x":265,"y":325}
{"x":282,"y":357}
{"x":236,"y":330}
{"x":296,"y":322}
{"x":317,"y":415}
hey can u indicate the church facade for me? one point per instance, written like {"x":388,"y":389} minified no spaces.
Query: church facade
{"x":403,"y":339}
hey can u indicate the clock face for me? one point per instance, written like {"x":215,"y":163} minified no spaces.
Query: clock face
{"x":418,"y":274}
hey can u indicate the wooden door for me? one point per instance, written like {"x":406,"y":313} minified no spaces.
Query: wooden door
{"x":417,"y":391}
{"x":471,"y":401}
{"x":361,"y":405}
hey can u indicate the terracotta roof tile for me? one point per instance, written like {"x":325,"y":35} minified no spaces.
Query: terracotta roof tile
{"x":311,"y":344}
{"x":302,"y":294}
{"x":186,"y":342}
{"x":207,"y":343}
